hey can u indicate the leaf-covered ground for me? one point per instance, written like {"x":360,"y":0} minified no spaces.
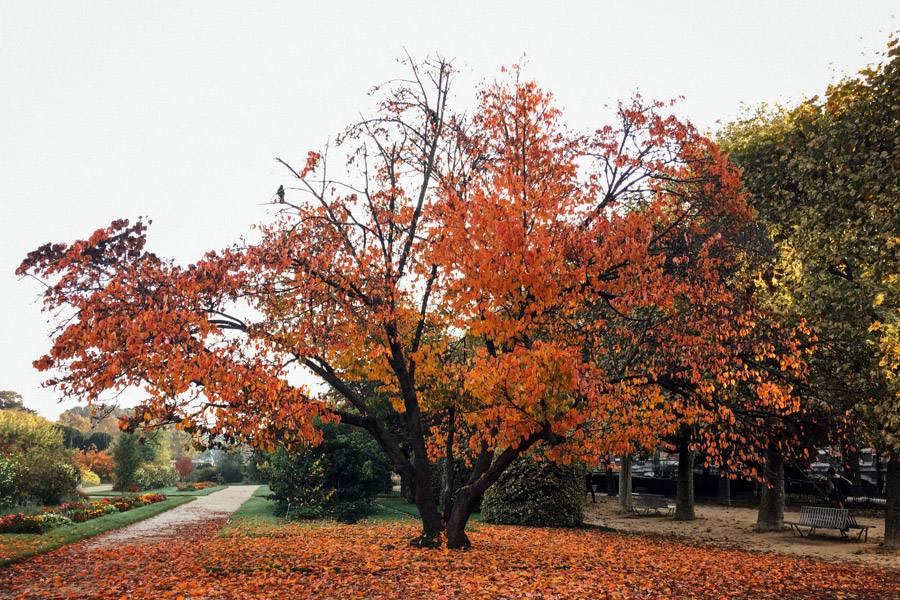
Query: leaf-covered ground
{"x":261,"y":560}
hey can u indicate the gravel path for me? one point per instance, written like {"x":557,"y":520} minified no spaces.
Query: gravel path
{"x":169,"y":523}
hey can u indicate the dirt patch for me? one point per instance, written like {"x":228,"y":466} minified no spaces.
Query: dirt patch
{"x":733,"y":527}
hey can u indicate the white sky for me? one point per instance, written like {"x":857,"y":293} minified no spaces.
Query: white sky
{"x":176,"y":110}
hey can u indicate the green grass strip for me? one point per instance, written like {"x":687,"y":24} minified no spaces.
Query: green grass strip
{"x":168,"y":491}
{"x":17,"y":546}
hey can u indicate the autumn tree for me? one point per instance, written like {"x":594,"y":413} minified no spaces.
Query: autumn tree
{"x":542,"y":287}
{"x":824,"y":178}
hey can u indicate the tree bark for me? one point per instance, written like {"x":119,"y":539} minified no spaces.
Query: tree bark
{"x":486,"y":471}
{"x":684,"y":493}
{"x":892,"y":510}
{"x":852,"y":470}
{"x":626,"y":504}
{"x":724,"y":492}
{"x":771,"y":501}
{"x":447,"y":496}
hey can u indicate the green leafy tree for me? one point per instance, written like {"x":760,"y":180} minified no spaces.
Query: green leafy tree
{"x":339,"y":477}
{"x":824,"y":179}
{"x":11,"y":400}
{"x":128,"y":459}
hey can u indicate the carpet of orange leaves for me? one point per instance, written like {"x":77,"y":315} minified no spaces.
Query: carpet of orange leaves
{"x":372,"y":561}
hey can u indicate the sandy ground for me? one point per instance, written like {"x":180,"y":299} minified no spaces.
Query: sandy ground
{"x":733,"y":527}
{"x":167,"y":524}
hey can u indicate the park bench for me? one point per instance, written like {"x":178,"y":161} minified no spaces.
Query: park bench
{"x":644,"y":503}
{"x":823,"y":517}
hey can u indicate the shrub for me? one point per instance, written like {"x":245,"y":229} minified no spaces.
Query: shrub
{"x":34,"y":464}
{"x":97,"y":461}
{"x":231,"y":469}
{"x":210,"y":474}
{"x":536,"y":492}
{"x":89,"y":478}
{"x":155,"y":475}
{"x":338,"y":478}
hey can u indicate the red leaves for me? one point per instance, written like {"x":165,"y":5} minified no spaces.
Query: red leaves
{"x":367,"y":561}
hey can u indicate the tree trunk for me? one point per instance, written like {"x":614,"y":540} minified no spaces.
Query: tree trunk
{"x":892,"y":510}
{"x":447,"y":499}
{"x":684,"y":493}
{"x":852,"y":470}
{"x":610,"y":482}
{"x":724,"y":493}
{"x":626,"y":504}
{"x":459,"y":516}
{"x":771,"y":501}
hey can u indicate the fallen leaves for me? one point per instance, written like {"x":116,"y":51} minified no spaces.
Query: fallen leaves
{"x":316,"y":560}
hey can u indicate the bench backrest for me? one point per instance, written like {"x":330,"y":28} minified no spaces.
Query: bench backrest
{"x":823,"y":516}
{"x":651,"y":501}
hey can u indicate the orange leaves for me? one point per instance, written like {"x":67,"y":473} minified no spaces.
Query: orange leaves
{"x":371,"y":560}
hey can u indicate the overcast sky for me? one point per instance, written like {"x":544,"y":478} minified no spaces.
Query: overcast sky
{"x":176,"y":111}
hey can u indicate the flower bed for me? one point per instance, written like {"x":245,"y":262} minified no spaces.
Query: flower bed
{"x":74,"y":512}
{"x":200,"y":485}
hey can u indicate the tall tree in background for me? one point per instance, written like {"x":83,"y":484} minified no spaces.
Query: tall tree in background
{"x":548,"y":286}
{"x":13,"y":400}
{"x":825,"y":178}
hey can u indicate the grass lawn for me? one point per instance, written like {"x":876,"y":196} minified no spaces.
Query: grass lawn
{"x":168,"y":491}
{"x":257,"y":508}
{"x":391,"y":505}
{"x":16,"y":546}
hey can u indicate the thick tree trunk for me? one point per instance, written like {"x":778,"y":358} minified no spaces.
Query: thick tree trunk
{"x":771,"y":502}
{"x":684,"y":493}
{"x":892,"y":510}
{"x":626,"y":504}
{"x":723,"y":496}
{"x":459,"y":516}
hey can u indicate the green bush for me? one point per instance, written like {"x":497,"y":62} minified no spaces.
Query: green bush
{"x":231,"y":468}
{"x":536,"y":492}
{"x":35,"y":466}
{"x":339,"y":478}
{"x":155,"y":475}
{"x":205,"y":474}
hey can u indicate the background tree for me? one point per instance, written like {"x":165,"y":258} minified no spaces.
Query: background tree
{"x":184,"y":466}
{"x":824,"y":178}
{"x":10,"y":400}
{"x":128,"y":459}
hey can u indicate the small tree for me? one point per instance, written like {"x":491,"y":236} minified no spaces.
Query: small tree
{"x":127,"y":458}
{"x":338,"y":478}
{"x":184,"y":467}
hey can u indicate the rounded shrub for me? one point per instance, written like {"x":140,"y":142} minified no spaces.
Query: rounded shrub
{"x":155,"y":475}
{"x":536,"y":492}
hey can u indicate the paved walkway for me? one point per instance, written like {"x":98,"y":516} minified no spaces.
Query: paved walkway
{"x":170,"y":523}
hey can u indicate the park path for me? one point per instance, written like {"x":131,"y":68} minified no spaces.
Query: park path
{"x":171,"y":523}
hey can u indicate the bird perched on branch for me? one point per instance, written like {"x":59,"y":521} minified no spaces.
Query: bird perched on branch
{"x":280,"y":193}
